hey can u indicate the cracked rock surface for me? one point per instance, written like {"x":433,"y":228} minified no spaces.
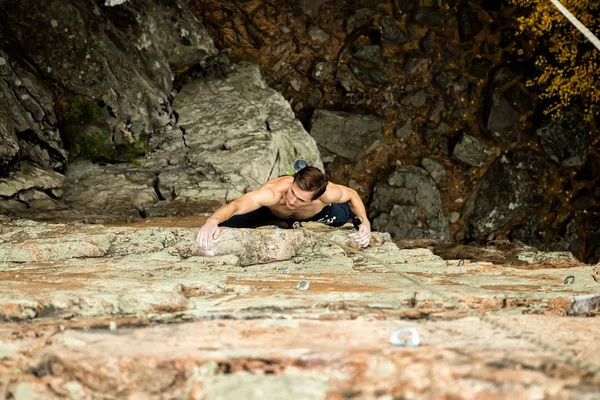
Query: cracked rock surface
{"x":138,"y":311}
{"x":233,"y":134}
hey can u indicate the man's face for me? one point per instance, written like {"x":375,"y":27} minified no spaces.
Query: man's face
{"x":296,"y":197}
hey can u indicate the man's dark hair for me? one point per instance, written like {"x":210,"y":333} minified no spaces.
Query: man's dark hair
{"x":311,"y":179}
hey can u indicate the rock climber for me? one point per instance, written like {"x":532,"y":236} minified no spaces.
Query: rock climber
{"x":305,"y":196}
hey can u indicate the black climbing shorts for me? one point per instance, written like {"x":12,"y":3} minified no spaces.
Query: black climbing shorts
{"x":332,"y":215}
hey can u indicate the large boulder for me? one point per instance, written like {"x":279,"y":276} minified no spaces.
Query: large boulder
{"x":348,"y":135}
{"x":505,"y":193}
{"x":29,"y":177}
{"x":507,"y":101}
{"x":237,"y":125}
{"x":566,"y":140}
{"x":408,"y":206}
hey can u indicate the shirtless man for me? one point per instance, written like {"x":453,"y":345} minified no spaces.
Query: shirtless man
{"x":306,"y":196}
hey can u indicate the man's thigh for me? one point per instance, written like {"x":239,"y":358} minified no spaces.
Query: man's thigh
{"x":334,"y":215}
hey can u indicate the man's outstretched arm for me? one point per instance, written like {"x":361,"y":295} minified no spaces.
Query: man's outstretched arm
{"x":248,"y":202}
{"x":343,"y":194}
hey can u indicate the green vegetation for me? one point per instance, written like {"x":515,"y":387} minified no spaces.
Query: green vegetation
{"x":77,"y":111}
{"x":99,"y":148}
{"x":95,"y":148}
{"x":72,"y":113}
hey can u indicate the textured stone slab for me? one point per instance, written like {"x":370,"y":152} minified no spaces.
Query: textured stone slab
{"x":76,"y":325}
{"x":30,"y":177}
{"x":92,"y":270}
{"x":309,"y":359}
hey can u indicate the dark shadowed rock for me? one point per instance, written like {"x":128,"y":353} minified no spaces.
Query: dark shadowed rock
{"x":370,"y":53}
{"x":428,"y":16}
{"x":530,"y":160}
{"x":310,"y":7}
{"x":442,"y":81}
{"x":502,"y":119}
{"x":391,"y":33}
{"x":502,"y":195}
{"x":408,"y":206}
{"x":492,"y":5}
{"x":503,"y":76}
{"x":449,"y":52}
{"x":519,"y":98}
{"x":468,"y":23}
{"x":529,"y":231}
{"x":345,"y":134}
{"x":345,"y":78}
{"x":369,"y":76}
{"x":589,"y":171}
{"x":428,"y":42}
{"x":435,"y":111}
{"x":417,"y":99}
{"x":359,"y":18}
{"x":472,"y":151}
{"x":407,"y":6}
{"x":566,"y":140}
{"x":481,"y":67}
{"x":435,"y":169}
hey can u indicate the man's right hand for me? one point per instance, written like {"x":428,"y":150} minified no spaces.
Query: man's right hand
{"x":209,"y":231}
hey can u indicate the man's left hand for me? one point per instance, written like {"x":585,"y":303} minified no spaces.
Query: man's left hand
{"x":363,"y":236}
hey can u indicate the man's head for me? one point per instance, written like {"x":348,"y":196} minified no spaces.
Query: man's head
{"x":309,"y":184}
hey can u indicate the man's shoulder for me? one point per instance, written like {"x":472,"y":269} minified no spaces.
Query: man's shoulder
{"x":278,"y":183}
{"x":274,"y":188}
{"x":332,"y":193}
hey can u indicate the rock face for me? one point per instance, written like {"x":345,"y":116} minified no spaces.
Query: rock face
{"x":408,"y":206}
{"x":113,"y":81}
{"x":91,"y":311}
{"x":113,"y":64}
{"x":437,"y":74}
{"x":472,"y":151}
{"x":566,"y":141}
{"x":348,"y":135}
{"x":229,"y":132}
{"x":233,"y":134}
{"x":27,"y":121}
{"x":77,"y":299}
{"x":30,"y":177}
{"x":502,"y":195}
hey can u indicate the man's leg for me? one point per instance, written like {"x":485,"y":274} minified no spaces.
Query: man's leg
{"x":334,"y":215}
{"x":253,"y":219}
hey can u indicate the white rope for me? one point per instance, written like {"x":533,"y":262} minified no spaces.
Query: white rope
{"x":586,"y":32}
